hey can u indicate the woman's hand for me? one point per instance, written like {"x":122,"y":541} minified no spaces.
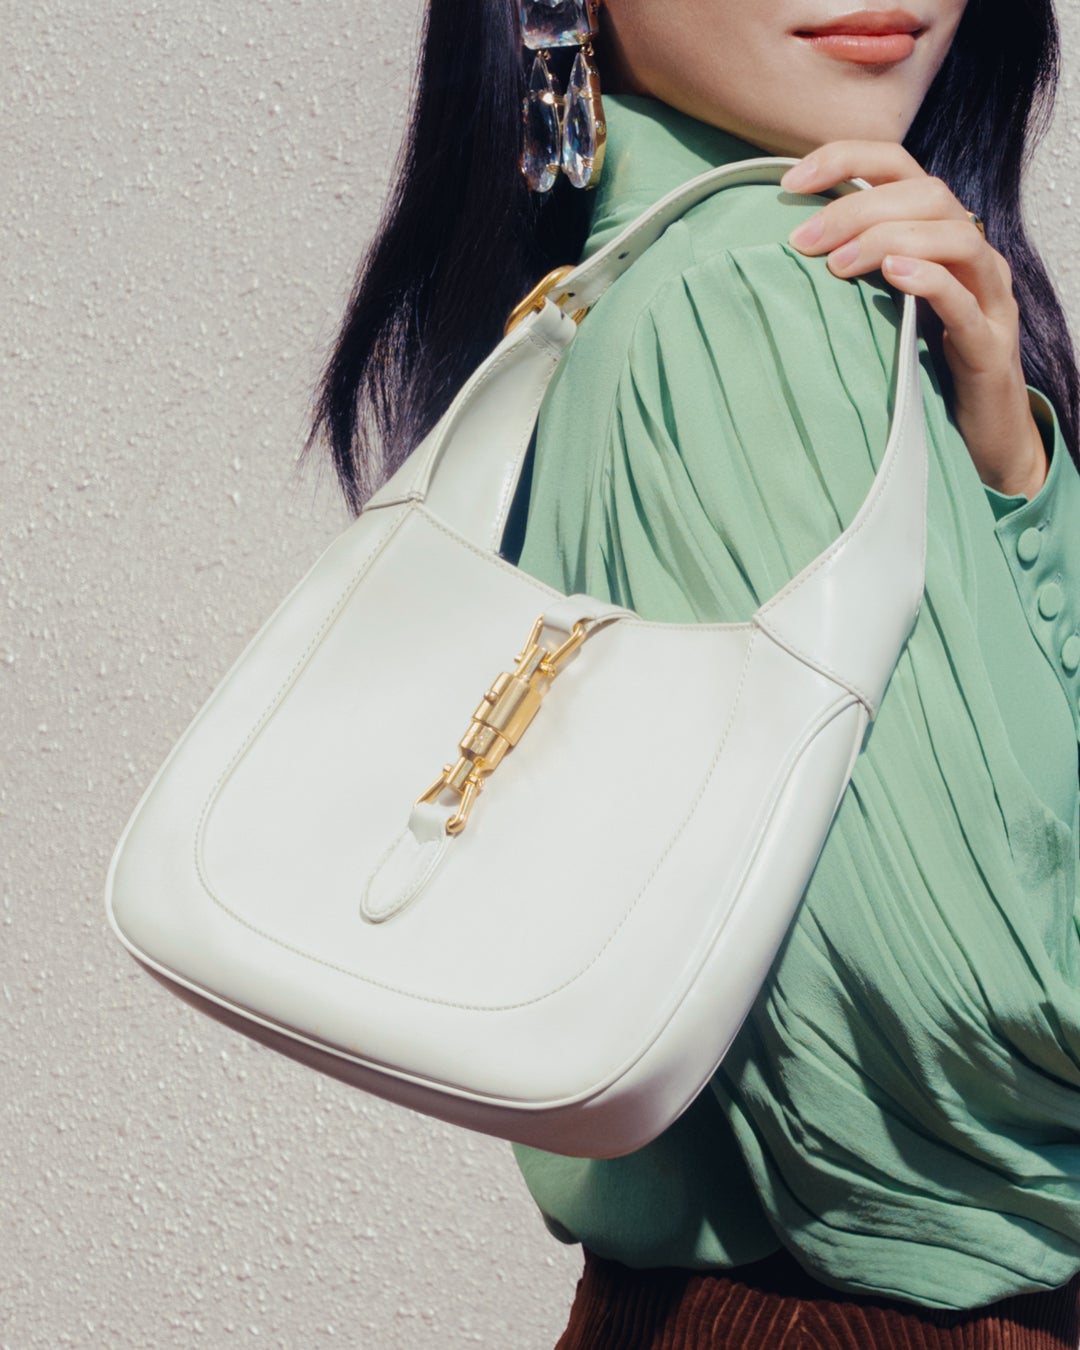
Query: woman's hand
{"x":912,"y":227}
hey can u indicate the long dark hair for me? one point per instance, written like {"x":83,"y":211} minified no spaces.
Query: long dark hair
{"x":462,"y":238}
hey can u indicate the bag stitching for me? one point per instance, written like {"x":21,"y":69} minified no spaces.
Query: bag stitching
{"x":508,"y":1007}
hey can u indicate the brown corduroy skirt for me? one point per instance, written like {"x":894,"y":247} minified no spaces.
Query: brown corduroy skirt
{"x":775,"y":1305}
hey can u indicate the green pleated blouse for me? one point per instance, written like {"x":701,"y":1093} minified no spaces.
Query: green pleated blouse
{"x":901,"y":1108}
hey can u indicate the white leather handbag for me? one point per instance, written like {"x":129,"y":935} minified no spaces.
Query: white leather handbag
{"x":540,"y":911}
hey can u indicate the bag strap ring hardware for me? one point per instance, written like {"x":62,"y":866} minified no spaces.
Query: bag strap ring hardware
{"x":534,"y":300}
{"x":500,"y":719}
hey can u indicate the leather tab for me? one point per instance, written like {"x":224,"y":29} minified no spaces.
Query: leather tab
{"x":408,"y":864}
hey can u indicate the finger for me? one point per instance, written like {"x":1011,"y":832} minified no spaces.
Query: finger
{"x":968,"y":329}
{"x":922,"y":198}
{"x":955,"y":243}
{"x":874,"y":161}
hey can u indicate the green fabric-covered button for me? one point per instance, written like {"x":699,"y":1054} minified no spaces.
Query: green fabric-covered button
{"x":1051,"y":597}
{"x":1070,"y":653}
{"x":1028,"y":545}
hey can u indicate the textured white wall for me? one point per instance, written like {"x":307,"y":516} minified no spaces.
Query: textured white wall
{"x":185,"y":192}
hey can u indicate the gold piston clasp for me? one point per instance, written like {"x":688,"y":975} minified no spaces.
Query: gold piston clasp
{"x":500,"y":719}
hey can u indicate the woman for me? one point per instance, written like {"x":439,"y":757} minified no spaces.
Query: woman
{"x":890,"y":1152}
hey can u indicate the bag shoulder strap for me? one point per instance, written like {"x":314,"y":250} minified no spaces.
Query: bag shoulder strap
{"x":466,"y":469}
{"x":580,"y":289}
{"x":505,"y":379}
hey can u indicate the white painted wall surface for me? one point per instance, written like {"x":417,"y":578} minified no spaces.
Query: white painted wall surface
{"x":184,"y":193}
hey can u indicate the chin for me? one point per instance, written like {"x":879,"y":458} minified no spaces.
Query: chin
{"x":856,"y":128}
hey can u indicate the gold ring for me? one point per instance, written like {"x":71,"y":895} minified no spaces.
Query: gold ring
{"x":977,"y":222}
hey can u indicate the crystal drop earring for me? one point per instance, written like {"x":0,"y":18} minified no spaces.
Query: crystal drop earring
{"x":542,"y":126}
{"x":562,"y":132}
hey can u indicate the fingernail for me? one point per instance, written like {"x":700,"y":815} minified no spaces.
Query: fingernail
{"x":844,"y":257}
{"x":799,"y":175}
{"x":900,"y":267}
{"x":809,"y":232}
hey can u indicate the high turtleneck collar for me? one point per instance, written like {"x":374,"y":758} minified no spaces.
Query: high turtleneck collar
{"x":651,"y":149}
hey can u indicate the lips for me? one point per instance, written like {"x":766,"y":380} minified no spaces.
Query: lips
{"x":867,"y":37}
{"x":866,"y":22}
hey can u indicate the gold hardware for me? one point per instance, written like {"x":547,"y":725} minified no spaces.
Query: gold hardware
{"x":535,"y":298}
{"x":500,"y":720}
